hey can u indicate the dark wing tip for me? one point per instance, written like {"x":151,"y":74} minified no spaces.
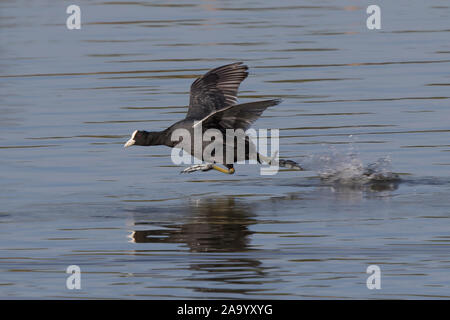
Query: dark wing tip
{"x":238,"y":63}
{"x":277,"y":101}
{"x":233,"y":66}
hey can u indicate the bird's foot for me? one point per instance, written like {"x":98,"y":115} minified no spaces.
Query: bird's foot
{"x":198,"y":167}
{"x":289,"y":164}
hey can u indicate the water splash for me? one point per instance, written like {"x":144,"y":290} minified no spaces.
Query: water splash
{"x":347,"y":168}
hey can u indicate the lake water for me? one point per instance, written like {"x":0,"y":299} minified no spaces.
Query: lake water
{"x":72,"y":195}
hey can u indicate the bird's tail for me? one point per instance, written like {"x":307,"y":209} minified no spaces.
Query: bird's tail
{"x":290,"y":164}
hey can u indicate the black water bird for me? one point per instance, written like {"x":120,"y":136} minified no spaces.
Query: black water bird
{"x":213,"y":105}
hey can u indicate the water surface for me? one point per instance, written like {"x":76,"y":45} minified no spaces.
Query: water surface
{"x":70,"y":194}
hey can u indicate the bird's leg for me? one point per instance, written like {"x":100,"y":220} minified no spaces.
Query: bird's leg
{"x":281,"y":162}
{"x":199,"y":167}
{"x":229,"y":170}
{"x":207,"y":167}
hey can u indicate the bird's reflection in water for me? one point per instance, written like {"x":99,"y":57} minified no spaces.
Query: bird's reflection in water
{"x":209,"y":225}
{"x":214,"y":225}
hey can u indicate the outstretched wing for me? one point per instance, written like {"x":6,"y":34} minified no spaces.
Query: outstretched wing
{"x":238,"y":116}
{"x":215,"y":90}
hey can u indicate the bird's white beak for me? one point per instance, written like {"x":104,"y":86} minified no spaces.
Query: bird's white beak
{"x":129,"y":143}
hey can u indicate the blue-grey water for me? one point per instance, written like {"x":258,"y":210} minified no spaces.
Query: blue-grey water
{"x":70,"y":194}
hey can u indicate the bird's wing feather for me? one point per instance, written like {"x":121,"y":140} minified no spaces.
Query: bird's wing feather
{"x":239,"y":116}
{"x":215,"y":90}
